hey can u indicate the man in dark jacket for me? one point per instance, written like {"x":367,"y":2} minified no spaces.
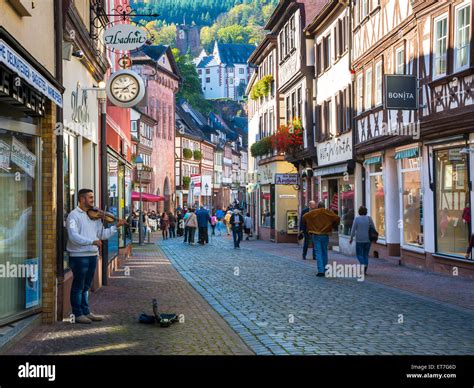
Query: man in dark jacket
{"x":237,"y":224}
{"x":307,"y":237}
{"x":203,"y":219}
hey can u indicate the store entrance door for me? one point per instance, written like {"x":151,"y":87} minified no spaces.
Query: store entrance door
{"x":331,"y":200}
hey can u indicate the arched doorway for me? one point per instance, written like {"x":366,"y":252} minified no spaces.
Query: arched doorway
{"x":167,"y":194}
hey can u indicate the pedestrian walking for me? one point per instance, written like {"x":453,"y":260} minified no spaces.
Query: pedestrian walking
{"x":164,"y":225}
{"x":179,"y":223}
{"x":248,"y":226}
{"x":84,"y":240}
{"x":172,"y":221}
{"x":236,"y":221}
{"x":185,"y":227}
{"x":361,"y":231}
{"x":213,"y":224}
{"x":303,"y":230}
{"x":203,"y":219}
{"x":319,"y":223}
{"x":191,"y":225}
{"x":227,"y":222}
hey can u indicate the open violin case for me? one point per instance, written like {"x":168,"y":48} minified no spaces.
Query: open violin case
{"x":164,"y":320}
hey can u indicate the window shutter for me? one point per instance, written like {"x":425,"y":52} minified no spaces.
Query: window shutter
{"x":317,"y":119}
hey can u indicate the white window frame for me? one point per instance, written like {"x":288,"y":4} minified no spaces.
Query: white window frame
{"x":410,"y":247}
{"x":360,"y":93}
{"x":378,"y":83}
{"x":368,"y":89}
{"x":399,"y":64}
{"x":364,"y":9}
{"x":435,"y":41}
{"x":456,"y":35}
{"x":370,"y":174}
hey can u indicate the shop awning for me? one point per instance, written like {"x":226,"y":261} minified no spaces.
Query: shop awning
{"x":331,"y":170}
{"x":146,"y":197}
{"x":373,"y":160}
{"x":408,"y":153}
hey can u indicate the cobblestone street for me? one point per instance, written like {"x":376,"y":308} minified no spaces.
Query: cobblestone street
{"x":272,"y":300}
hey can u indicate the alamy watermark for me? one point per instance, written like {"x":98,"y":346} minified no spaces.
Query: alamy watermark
{"x":411,"y":129}
{"x":12,"y":270}
{"x":335,"y":270}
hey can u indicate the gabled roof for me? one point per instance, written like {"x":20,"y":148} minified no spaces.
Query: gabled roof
{"x":153,"y":54}
{"x":233,"y":53}
{"x":205,"y":61}
{"x":186,"y":123}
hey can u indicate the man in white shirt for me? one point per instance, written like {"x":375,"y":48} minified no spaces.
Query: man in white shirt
{"x":84,"y":241}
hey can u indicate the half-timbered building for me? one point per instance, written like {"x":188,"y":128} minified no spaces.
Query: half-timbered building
{"x":334,"y":179}
{"x":446,"y":72}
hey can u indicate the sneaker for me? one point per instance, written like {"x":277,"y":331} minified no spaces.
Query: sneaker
{"x":304,"y":258}
{"x":82,"y":319}
{"x":321,"y":275}
{"x":95,"y":318}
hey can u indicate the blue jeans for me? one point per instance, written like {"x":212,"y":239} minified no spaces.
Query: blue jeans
{"x":83,"y":269}
{"x":320,"y":251}
{"x":237,"y":236}
{"x":362,"y":252}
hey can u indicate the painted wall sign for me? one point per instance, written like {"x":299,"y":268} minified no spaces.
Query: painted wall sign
{"x":336,"y":150}
{"x":16,"y":63}
{"x":124,"y":37}
{"x":286,"y":179}
{"x":401,"y":92}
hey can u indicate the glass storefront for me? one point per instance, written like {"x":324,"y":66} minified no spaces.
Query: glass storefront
{"x":267,"y":208}
{"x":113,"y":203}
{"x":346,"y":207}
{"x":451,"y":201}
{"x":20,"y":223}
{"x":70,"y":168}
{"x":412,"y":202}
{"x":338,"y":196}
{"x":377,"y":196}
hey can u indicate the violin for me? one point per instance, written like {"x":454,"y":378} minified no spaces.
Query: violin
{"x":95,"y":213}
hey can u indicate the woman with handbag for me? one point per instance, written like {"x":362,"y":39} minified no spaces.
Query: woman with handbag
{"x":191,"y":225}
{"x":363,"y":229}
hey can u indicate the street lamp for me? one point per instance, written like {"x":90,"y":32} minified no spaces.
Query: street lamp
{"x":139,"y":166}
{"x":192,"y":193}
{"x":207,"y":199}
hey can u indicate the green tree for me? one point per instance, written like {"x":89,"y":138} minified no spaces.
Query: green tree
{"x":190,"y":88}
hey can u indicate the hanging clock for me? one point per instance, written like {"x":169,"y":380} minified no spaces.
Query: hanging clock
{"x":125,"y":88}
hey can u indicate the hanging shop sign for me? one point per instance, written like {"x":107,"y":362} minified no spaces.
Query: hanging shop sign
{"x":336,"y":150}
{"x":121,"y":37}
{"x":401,"y":92}
{"x":286,"y":179}
{"x":125,"y":88}
{"x":22,"y":69}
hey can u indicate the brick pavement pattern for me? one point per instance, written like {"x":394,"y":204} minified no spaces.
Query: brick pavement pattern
{"x":278,"y":305}
{"x":203,"y":331}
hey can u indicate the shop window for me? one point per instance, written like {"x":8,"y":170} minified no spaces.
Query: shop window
{"x":346,"y":209}
{"x":412,"y":202}
{"x":267,"y":211}
{"x":452,"y":202}
{"x":377,"y":197}
{"x":113,"y":202}
{"x":19,"y":221}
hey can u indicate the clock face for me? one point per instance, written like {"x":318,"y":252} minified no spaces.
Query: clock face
{"x":125,"y":87}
